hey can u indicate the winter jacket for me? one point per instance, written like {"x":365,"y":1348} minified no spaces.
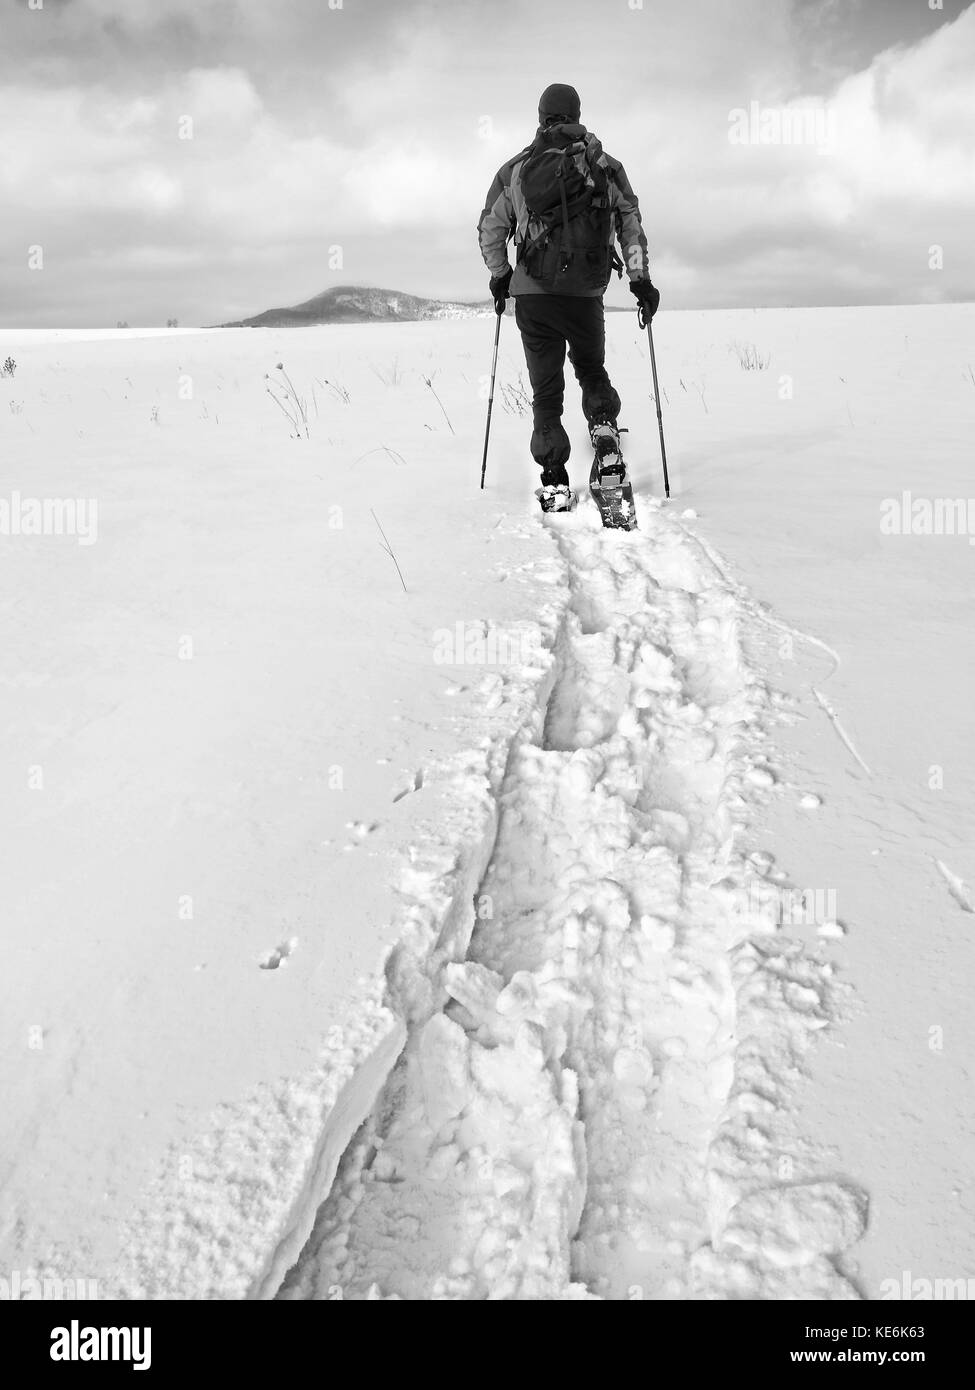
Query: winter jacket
{"x":505,"y":216}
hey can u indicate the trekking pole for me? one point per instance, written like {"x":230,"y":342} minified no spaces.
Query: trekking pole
{"x":656,"y":396}
{"x":487,"y":428}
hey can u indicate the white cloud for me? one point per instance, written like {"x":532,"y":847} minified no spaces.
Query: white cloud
{"x":907,"y":126}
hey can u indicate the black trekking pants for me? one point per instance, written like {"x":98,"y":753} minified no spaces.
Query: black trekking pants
{"x":548,"y":323}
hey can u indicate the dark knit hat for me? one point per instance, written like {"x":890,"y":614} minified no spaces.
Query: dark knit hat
{"x":559,"y":100}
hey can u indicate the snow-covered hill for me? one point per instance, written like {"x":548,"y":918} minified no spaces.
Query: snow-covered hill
{"x":590,"y":917}
{"x":363,"y":304}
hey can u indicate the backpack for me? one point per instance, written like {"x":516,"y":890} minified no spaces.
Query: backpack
{"x":566,"y":246}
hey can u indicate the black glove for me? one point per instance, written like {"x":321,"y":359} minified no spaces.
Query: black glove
{"x":499,"y":290}
{"x":648,"y":299}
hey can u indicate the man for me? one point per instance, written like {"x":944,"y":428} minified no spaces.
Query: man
{"x":564,"y":202}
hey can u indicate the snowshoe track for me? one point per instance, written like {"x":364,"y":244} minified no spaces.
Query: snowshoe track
{"x":598,"y":1111}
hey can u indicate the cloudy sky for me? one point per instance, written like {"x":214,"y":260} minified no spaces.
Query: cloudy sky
{"x":206,"y":159}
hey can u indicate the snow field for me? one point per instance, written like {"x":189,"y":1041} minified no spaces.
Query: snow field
{"x":546,"y":873}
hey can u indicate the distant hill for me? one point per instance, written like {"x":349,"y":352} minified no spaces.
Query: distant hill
{"x":356,"y":304}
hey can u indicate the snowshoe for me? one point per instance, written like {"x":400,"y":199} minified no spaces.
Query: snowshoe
{"x":611,"y":489}
{"x":556,"y":498}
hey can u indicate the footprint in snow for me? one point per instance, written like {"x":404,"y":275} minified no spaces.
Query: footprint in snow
{"x":763,"y":861}
{"x":360,"y":828}
{"x":831,"y":930}
{"x":271,"y":960}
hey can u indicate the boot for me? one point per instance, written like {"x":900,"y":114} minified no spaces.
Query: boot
{"x":555,"y":497}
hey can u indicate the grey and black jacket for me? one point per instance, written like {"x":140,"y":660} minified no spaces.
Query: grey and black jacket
{"x":506,"y":218}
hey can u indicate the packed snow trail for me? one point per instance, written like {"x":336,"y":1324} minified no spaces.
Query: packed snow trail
{"x":599,"y":1110}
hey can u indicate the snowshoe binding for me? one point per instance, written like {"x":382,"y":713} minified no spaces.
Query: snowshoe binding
{"x":608,"y":483}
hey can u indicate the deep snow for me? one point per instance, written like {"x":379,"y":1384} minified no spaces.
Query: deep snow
{"x":544,"y":817}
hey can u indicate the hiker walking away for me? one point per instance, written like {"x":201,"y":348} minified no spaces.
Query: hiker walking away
{"x":564,"y":202}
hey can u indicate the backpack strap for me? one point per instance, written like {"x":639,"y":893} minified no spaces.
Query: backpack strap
{"x":566,"y":253}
